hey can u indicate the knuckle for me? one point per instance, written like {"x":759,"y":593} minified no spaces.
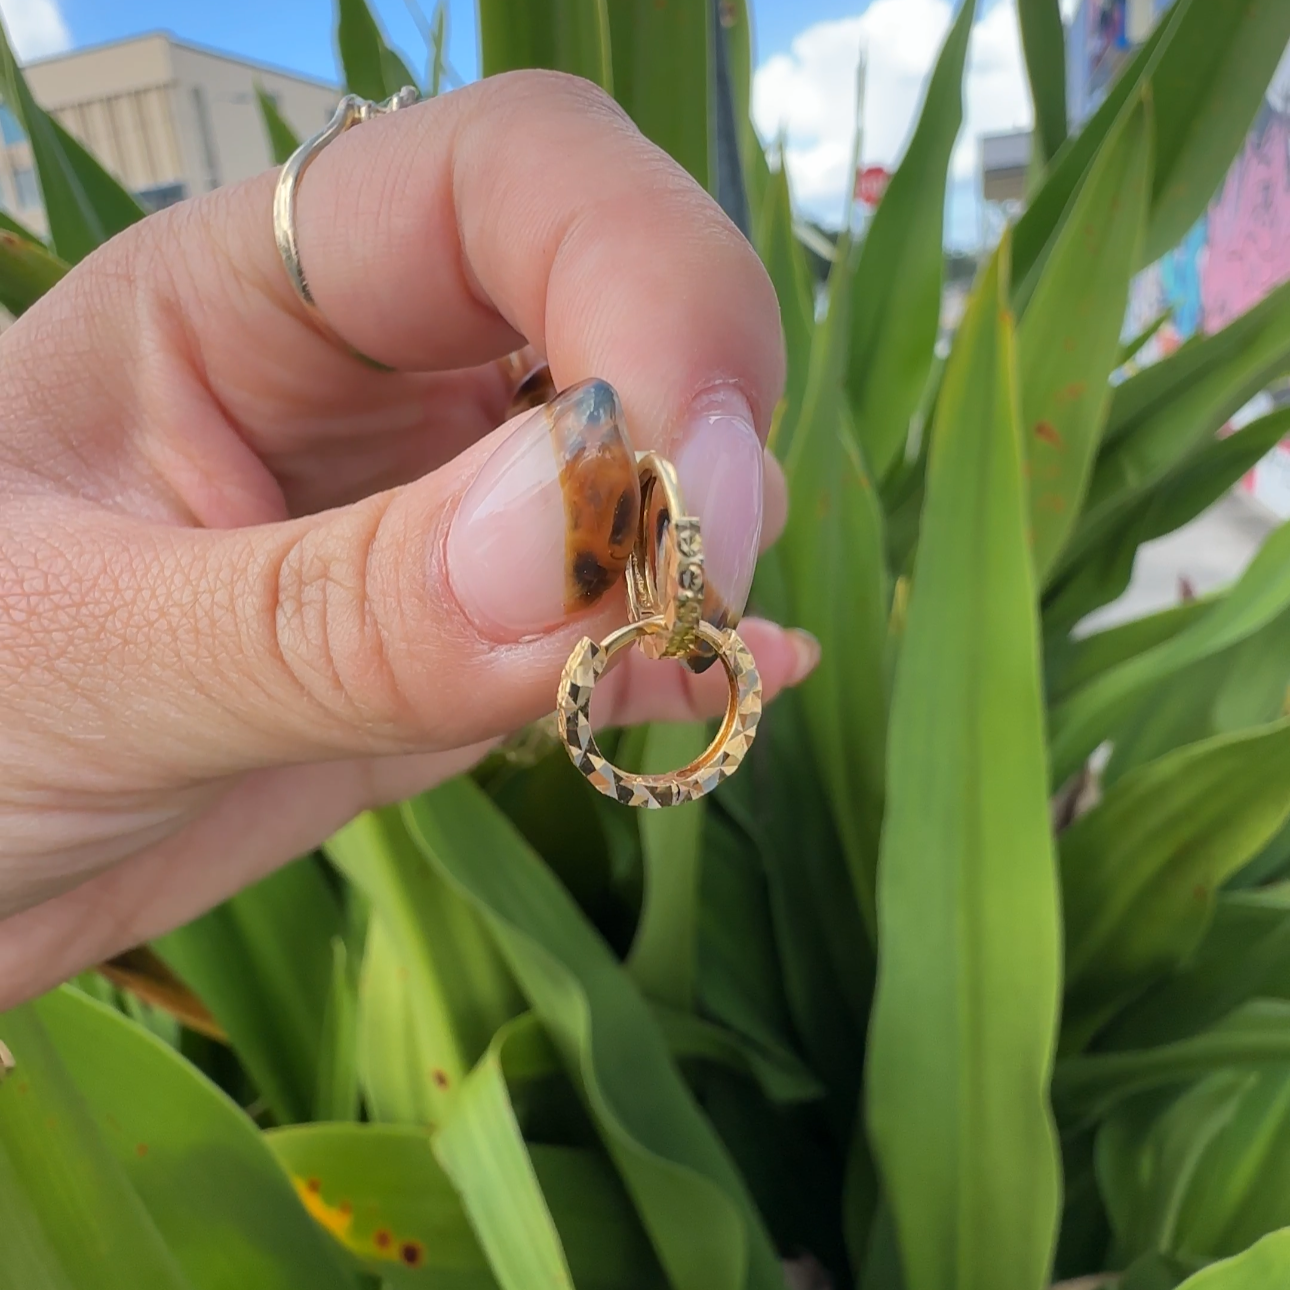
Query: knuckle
{"x":325,"y":627}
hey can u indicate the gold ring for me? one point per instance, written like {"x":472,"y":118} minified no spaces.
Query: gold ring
{"x":350,"y":111}
{"x":589,"y":662}
{"x":665,"y":570}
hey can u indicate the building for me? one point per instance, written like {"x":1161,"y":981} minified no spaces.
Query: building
{"x":168,"y":119}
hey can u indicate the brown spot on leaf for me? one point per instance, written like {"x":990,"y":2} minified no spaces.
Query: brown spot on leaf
{"x":314,"y":1185}
{"x":1053,"y":502}
{"x":440,"y":1077}
{"x":412,"y":1253}
{"x":1075,"y":390}
{"x":382,"y":1238}
{"x":1048,"y":432}
{"x":141,"y":1150}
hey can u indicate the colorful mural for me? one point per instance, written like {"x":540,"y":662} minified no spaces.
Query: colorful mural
{"x":1236,"y":253}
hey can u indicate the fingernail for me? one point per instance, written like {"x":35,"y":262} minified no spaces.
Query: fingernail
{"x":547,"y":526}
{"x":719,"y":464}
{"x":806,"y":648}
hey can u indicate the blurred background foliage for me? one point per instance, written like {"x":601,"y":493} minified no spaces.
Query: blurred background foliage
{"x":933,"y":994}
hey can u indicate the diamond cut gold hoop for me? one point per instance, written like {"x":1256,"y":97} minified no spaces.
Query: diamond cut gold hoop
{"x":665,"y":585}
{"x":350,"y":111}
{"x":589,"y":662}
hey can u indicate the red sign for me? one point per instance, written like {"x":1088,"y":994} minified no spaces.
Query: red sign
{"x":871,"y":183}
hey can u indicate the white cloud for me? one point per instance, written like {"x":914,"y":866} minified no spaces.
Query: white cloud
{"x":809,"y":93}
{"x":36,"y":27}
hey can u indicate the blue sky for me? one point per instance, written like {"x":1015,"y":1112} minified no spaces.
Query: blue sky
{"x":298,"y":33}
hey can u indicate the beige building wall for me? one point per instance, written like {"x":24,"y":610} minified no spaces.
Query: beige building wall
{"x":169,"y":120}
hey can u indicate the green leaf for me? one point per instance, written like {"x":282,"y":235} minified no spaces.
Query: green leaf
{"x":438,"y":48}
{"x":739,"y":981}
{"x":785,"y":261}
{"x":1240,"y":687}
{"x":283,"y":140}
{"x":380,"y":1192}
{"x":457,"y":987}
{"x":1044,"y":40}
{"x":663,"y":71}
{"x":391,"y":1066}
{"x":197,"y":1162}
{"x":1135,"y":344}
{"x":1255,"y":1036}
{"x":1140,"y":871}
{"x":567,"y":35}
{"x":71,"y":1220}
{"x":1245,"y":955}
{"x":692,"y":1201}
{"x":1263,"y":1265}
{"x":83,"y":203}
{"x":1241,"y":1188}
{"x":1208,"y":86}
{"x":1203,"y":476}
{"x":262,"y":963}
{"x":1079,"y":661}
{"x":833,"y":558}
{"x":896,"y":292}
{"x":1161,"y":415}
{"x":967,"y":890}
{"x":776,"y":1071}
{"x":824,"y":954}
{"x":663,"y":955}
{"x":336,"y":1097}
{"x":27,"y":270}
{"x":372,"y":69}
{"x":1148,"y":1153}
{"x":10,"y":225}
{"x":480,"y":1149}
{"x":1069,"y":339}
{"x":1081,"y":721}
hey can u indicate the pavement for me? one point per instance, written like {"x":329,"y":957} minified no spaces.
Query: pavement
{"x":1203,"y":556}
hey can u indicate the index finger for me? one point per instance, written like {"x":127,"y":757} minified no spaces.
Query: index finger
{"x":528,"y":206}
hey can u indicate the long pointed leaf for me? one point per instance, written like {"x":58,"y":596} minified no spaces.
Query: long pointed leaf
{"x":1139,"y":871}
{"x":262,"y":963}
{"x":69,"y":1210}
{"x":283,"y":140}
{"x":690,"y":1198}
{"x":371,"y":67}
{"x":480,"y":1148}
{"x":663,"y":957}
{"x":1080,"y":722}
{"x":895,"y":311}
{"x":663,"y":72}
{"x":567,"y":35}
{"x":833,"y":557}
{"x":83,"y":203}
{"x":1068,"y":342}
{"x":965,"y":1013}
{"x":196,"y":1160}
{"x":458,"y":991}
{"x":1044,"y":41}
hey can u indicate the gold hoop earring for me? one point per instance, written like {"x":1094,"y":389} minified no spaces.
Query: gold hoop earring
{"x":665,"y":585}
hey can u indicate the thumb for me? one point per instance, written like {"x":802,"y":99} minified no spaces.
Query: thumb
{"x":428,"y":617}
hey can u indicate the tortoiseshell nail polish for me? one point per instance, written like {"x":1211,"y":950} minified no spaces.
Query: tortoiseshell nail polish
{"x":547,"y":526}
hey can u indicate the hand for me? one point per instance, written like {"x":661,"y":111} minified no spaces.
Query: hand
{"x":250,"y":586}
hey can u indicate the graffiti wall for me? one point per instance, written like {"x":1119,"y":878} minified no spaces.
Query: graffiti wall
{"x":1238,"y":251}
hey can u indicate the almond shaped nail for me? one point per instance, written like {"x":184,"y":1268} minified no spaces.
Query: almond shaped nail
{"x":548,"y":524}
